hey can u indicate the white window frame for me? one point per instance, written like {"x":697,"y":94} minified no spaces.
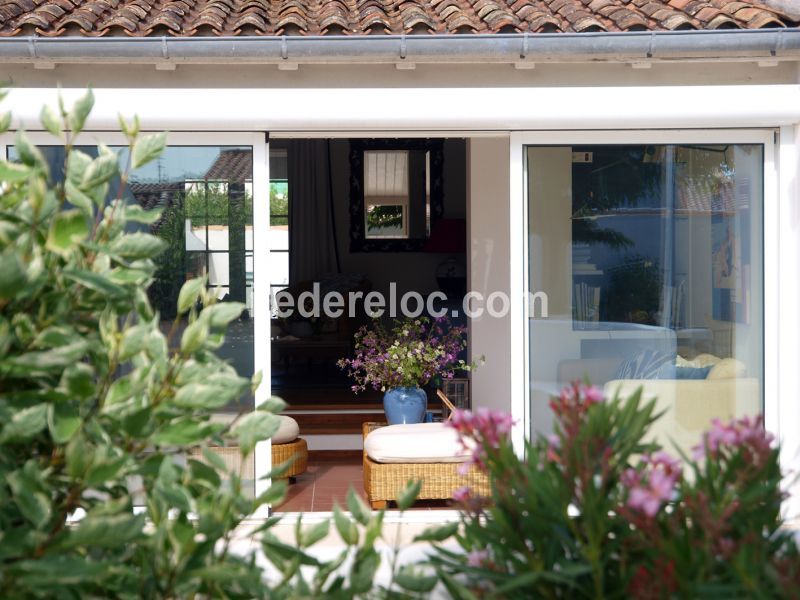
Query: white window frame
{"x":780,"y":255}
{"x":261,"y":324}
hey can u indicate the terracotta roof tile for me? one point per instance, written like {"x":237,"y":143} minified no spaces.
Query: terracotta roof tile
{"x":354,"y":17}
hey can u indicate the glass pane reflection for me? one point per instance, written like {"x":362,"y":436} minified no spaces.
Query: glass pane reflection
{"x":651,"y":259}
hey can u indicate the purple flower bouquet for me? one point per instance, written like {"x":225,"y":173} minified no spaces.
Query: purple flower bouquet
{"x":410,"y":354}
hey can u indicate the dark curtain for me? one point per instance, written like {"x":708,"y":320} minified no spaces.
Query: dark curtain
{"x":312,"y":250}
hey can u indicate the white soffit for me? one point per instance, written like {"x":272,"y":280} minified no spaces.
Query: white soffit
{"x":435,"y":109}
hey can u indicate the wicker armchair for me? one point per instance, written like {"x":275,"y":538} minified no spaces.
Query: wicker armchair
{"x":383,"y":481}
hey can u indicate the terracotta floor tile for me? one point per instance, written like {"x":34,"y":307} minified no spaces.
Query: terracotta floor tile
{"x":328,"y":482}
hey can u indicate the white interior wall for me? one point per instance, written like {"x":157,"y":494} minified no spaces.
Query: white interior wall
{"x":488,"y":220}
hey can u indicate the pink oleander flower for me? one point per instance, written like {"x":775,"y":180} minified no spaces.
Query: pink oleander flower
{"x":553,"y":446}
{"x":575,"y":399}
{"x":462,"y":495}
{"x":652,"y":487}
{"x":477,"y":558}
{"x":746,"y":433}
{"x":479,"y":430}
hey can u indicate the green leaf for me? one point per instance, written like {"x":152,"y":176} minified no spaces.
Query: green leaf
{"x":215,"y":459}
{"x":311,"y":535}
{"x":58,"y":570}
{"x":438,"y":534}
{"x":148,"y":148}
{"x":32,"y":502}
{"x":255,"y":381}
{"x":190,"y":292}
{"x":138,"y":245}
{"x":184,"y":432}
{"x":95,"y":282}
{"x":253,"y":428}
{"x":69,"y":228}
{"x":204,"y":472}
{"x":5,"y":121}
{"x":194,"y":336}
{"x":174,"y":495}
{"x":409,"y":580}
{"x":137,"y":214}
{"x":50,"y":120}
{"x":77,"y":163}
{"x":54,"y":336}
{"x":105,"y":531}
{"x":272,"y":404}
{"x":120,"y":390}
{"x":78,"y":381}
{"x":347,"y":529}
{"x":201,"y":395}
{"x":25,"y":424}
{"x":135,"y":421}
{"x":11,"y":172}
{"x":101,"y":170}
{"x":64,"y":420}
{"x":409,"y":495}
{"x":143,"y":306}
{"x":13,"y":278}
{"x":105,"y":468}
{"x":374,"y":529}
{"x":78,"y":457}
{"x":131,"y":130}
{"x":363,"y":572}
{"x":220,"y":315}
{"x":134,"y":340}
{"x":124,"y":276}
{"x":273,"y":494}
{"x":456,"y":589}
{"x":80,"y":111}
{"x":357,"y":507}
{"x":28,"y":153}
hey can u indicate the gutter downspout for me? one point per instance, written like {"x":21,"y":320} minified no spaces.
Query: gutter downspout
{"x":502,"y":48}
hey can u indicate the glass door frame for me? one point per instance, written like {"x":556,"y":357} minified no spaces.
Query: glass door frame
{"x":261,"y":269}
{"x":777,"y":394}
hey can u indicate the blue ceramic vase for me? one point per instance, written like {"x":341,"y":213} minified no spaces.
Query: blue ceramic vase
{"x":405,"y":405}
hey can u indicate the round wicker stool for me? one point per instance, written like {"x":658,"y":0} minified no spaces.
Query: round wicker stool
{"x":297,"y":451}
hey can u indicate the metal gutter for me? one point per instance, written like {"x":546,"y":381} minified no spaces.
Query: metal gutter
{"x":760,"y":44}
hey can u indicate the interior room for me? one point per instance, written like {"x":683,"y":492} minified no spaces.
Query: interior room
{"x":355,"y":216}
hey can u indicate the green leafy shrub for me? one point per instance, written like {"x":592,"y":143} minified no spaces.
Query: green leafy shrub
{"x":101,"y":409}
{"x":595,"y":512}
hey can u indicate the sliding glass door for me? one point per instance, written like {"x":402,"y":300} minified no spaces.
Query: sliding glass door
{"x":647,"y":262}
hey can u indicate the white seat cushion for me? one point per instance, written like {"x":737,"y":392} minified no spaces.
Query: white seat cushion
{"x":416,"y":443}
{"x":287,"y":432}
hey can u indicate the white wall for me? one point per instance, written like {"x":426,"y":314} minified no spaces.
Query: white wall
{"x":386,"y":75}
{"x":488,"y":220}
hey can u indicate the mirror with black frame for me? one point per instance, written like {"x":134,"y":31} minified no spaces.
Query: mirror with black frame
{"x":396,"y":193}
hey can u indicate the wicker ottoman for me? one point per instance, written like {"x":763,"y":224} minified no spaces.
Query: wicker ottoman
{"x":297,"y":450}
{"x":383,"y":481}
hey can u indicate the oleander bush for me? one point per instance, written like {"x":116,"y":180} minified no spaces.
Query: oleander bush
{"x":100,"y":409}
{"x":595,"y":512}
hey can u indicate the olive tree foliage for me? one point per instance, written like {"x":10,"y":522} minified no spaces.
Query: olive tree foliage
{"x":108,"y":485}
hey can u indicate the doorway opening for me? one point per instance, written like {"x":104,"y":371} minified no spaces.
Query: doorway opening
{"x":372,"y":221}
